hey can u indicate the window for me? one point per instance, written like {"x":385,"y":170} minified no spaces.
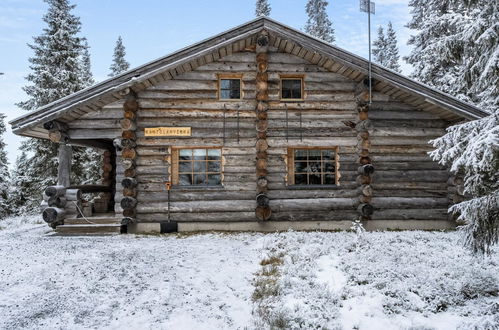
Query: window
{"x":313,"y":166}
{"x":229,"y":88}
{"x":292,"y":88}
{"x":197,"y":167}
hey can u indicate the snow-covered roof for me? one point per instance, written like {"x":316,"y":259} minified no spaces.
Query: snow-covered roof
{"x":283,"y":37}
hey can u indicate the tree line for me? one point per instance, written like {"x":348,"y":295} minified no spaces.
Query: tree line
{"x":455,"y":49}
{"x":59,"y":67}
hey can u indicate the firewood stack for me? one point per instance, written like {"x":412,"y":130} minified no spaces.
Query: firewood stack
{"x":129,"y":155}
{"x":262,"y":210}
{"x":60,"y":203}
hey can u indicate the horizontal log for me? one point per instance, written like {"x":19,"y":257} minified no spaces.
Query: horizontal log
{"x":198,"y":206}
{"x":51,"y":191}
{"x":409,"y":202}
{"x":365,"y":210}
{"x":409,"y":185}
{"x":411,"y":214}
{"x":366,"y":190}
{"x":91,"y":188}
{"x":204,"y":217}
{"x":73,"y":194}
{"x":367,"y":169}
{"x":263,"y":213}
{"x":128,"y":164}
{"x":177,"y":195}
{"x":129,"y":183}
{"x":128,"y":125}
{"x":128,"y":203}
{"x":56,"y":201}
{"x":278,"y":205}
{"x":410,"y":175}
{"x":53,"y":215}
{"x":262,"y":200}
{"x":129,"y":153}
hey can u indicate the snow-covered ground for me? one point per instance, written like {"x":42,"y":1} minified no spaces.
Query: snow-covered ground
{"x":392,"y":280}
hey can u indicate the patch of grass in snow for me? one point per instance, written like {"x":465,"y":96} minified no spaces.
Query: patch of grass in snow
{"x":267,"y":287}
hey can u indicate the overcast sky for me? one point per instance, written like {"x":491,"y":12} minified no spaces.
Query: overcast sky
{"x":154,"y":28}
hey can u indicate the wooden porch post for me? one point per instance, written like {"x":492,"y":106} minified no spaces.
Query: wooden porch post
{"x":64,"y":168}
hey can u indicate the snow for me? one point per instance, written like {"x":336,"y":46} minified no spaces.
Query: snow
{"x":391,"y":280}
{"x":329,"y":274}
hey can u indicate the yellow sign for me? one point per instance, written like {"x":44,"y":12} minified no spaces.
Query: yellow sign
{"x":168,"y":131}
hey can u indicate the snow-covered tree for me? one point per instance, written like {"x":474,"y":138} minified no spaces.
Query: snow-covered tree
{"x":456,"y":49}
{"x":318,"y":23}
{"x":23,"y":190}
{"x":472,"y":150}
{"x":119,"y":64}
{"x":57,"y":69}
{"x":385,"y":49}
{"x":86,"y":67}
{"x":392,"y":49}
{"x":380,"y":48}
{"x":4,"y":173}
{"x":262,"y":8}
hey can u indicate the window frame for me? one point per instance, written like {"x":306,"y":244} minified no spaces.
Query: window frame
{"x":175,"y":167}
{"x":300,"y":77}
{"x":232,"y":76}
{"x":291,"y":167}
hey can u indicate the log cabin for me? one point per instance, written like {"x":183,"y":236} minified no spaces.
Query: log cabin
{"x":259,"y":128}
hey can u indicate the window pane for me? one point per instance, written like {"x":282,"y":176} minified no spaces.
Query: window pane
{"x":185,"y":154}
{"x":214,"y":179}
{"x":314,"y":155}
{"x":230,"y":88}
{"x":301,"y":167}
{"x":185,"y":179}
{"x":329,"y":167}
{"x":300,"y":154}
{"x":214,"y":154}
{"x":199,"y":154}
{"x":199,"y":167}
{"x":225,"y":94}
{"x":224,"y":83}
{"x":235,"y":94}
{"x":300,"y":179}
{"x":328,"y":154}
{"x":314,"y":167}
{"x":314,"y":179}
{"x":199,"y":179}
{"x":329,"y":179}
{"x":291,"y":88}
{"x":214,"y":167}
{"x":185,"y":167}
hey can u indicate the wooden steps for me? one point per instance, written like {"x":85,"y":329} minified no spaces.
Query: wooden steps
{"x":100,"y":224}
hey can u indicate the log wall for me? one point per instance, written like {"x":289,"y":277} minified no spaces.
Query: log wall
{"x":405,"y":185}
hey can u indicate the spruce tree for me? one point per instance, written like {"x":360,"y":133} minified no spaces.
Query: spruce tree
{"x":392,"y":49}
{"x":380,"y":48}
{"x":456,"y":50}
{"x":87,"y":77}
{"x":22,"y":187}
{"x":119,"y":64}
{"x":262,"y":8}
{"x":4,"y":173}
{"x":318,"y":23}
{"x":57,"y":70}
